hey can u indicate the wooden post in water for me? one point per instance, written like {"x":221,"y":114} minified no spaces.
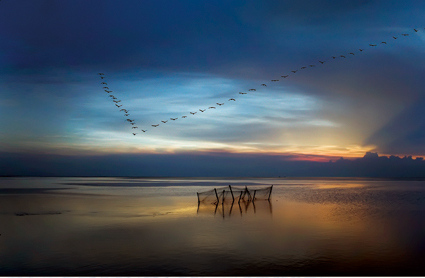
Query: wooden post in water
{"x":240,"y":195}
{"x":197,"y":194}
{"x":223,"y":195}
{"x":270,"y":193}
{"x":216,"y":195}
{"x":253,"y":198}
{"x":231,"y":192}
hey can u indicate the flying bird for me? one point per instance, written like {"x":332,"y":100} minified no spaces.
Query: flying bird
{"x":372,"y":44}
{"x":134,"y":134}
{"x":220,"y":104}
{"x":102,"y":77}
{"x":322,"y":62}
{"x":104,"y":83}
{"x":128,"y":120}
{"x":126,"y":115}
{"x":333,"y":57}
{"x":405,"y":35}
{"x":384,"y":42}
{"x":144,"y":130}
{"x":311,"y":66}
{"x":193,"y":113}
{"x":394,"y":37}
{"x":125,"y":110}
{"x":211,"y":107}
{"x":294,"y":71}
{"x":132,"y":123}
{"x":134,"y":127}
{"x":252,"y":90}
{"x":416,"y":30}
{"x":284,"y":76}
{"x":164,"y":121}
{"x":100,"y":73}
{"x":105,"y":87}
{"x":184,"y":117}
{"x":116,"y":101}
{"x":242,"y":93}
{"x":232,"y":99}
{"x":275,"y":80}
{"x":264,"y":85}
{"x":202,"y":110}
{"x":342,"y":56}
{"x":361,"y":49}
{"x":173,"y":119}
{"x":303,"y":68}
{"x":155,"y":125}
{"x":118,"y":105}
{"x":351,"y":53}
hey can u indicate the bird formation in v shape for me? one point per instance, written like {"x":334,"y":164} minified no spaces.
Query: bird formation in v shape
{"x":135,"y":127}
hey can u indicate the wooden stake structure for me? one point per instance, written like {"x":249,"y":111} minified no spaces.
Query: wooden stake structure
{"x":231,"y":192}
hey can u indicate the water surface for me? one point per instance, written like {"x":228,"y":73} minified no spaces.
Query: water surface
{"x":131,"y":226}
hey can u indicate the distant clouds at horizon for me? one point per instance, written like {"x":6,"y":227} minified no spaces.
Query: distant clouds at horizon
{"x":164,"y":59}
{"x":209,"y":165}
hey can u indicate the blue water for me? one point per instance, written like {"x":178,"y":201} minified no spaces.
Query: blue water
{"x":144,"y":227}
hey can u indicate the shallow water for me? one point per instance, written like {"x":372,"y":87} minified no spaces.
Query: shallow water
{"x":143,"y":227}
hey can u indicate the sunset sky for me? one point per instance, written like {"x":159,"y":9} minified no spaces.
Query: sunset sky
{"x":164,"y":59}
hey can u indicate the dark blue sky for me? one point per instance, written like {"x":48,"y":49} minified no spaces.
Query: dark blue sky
{"x":164,"y":59}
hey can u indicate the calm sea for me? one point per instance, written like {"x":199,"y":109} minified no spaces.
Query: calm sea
{"x":154,"y":226}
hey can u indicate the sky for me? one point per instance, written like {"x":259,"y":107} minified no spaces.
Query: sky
{"x":163,"y":59}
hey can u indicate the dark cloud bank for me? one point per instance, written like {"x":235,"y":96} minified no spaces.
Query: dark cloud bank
{"x":208,"y":165}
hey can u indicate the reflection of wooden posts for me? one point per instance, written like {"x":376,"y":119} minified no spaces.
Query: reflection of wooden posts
{"x":231,"y":207}
{"x":270,"y":193}
{"x":198,"y":198}
{"x":253,"y":198}
{"x":216,"y":195}
{"x":253,"y":204}
{"x":270,"y":206}
{"x":216,"y":206}
{"x":231,"y":192}
{"x":223,"y":195}
{"x":240,"y":195}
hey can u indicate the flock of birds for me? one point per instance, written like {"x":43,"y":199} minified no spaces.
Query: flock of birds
{"x":118,"y":103}
{"x":219,"y":104}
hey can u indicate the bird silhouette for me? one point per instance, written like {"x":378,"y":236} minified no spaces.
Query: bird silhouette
{"x":322,"y":62}
{"x":118,"y":105}
{"x":361,"y":49}
{"x":220,"y":104}
{"x":372,"y":44}
{"x":134,"y":134}
{"x":303,"y":68}
{"x":416,"y":30}
{"x":384,"y":42}
{"x":100,"y":73}
{"x":284,"y":76}
{"x":405,"y":35}
{"x":232,"y":99}
{"x":202,"y":110}
{"x":351,"y":53}
{"x":311,"y":66}
{"x":342,"y":56}
{"x":242,"y":93}
{"x":394,"y":37}
{"x":211,"y":107}
{"x":164,"y":121}
{"x":134,"y":127}
{"x":184,"y":117}
{"x":104,"y":83}
{"x":275,"y":80}
{"x":144,"y":130}
{"x":264,"y":85}
{"x":193,"y":113}
{"x":155,"y":125}
{"x":126,"y":115}
{"x":252,"y":90}
{"x":294,"y":71}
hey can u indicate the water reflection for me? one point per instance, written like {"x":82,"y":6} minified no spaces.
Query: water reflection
{"x":226,"y":209}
